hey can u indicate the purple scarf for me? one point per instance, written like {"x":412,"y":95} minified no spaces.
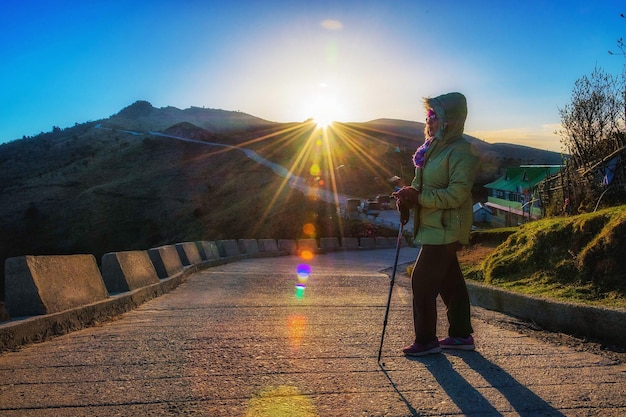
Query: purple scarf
{"x":418,"y":157}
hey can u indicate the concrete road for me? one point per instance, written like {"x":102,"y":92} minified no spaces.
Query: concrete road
{"x":239,"y":340}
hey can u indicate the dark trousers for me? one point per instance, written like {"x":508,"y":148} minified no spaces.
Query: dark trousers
{"x":437,"y":271}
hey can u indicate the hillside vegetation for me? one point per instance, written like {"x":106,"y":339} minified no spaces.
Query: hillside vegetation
{"x":580,"y":258}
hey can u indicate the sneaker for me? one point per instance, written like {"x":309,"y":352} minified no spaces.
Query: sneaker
{"x":461,"y":343}
{"x":419,"y":349}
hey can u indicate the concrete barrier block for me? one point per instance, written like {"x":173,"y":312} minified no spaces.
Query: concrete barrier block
{"x":166,"y":261}
{"x":127,"y":271}
{"x":208,"y":250}
{"x":250,"y":246}
{"x":37,"y":285}
{"x":350,"y":242}
{"x":228,"y":247}
{"x":288,"y":245}
{"x":189,"y":253}
{"x":381,"y":242}
{"x":268,"y":245}
{"x":201,"y":250}
{"x":4,"y":315}
{"x":368,"y":243}
{"x":329,"y":243}
{"x":307,"y":244}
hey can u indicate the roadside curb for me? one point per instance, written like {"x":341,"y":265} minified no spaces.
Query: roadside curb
{"x":590,"y":322}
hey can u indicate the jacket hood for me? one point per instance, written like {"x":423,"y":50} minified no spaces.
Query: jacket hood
{"x":451,"y":109}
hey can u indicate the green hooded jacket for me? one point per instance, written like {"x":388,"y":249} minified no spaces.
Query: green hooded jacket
{"x":444,"y":213}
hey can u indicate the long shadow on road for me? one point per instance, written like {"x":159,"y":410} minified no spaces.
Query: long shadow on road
{"x":406,"y":402}
{"x":469,"y":399}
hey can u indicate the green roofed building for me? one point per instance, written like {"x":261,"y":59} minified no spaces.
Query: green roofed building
{"x":514,"y":197}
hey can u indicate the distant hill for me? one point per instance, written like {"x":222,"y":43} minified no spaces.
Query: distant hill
{"x":141,"y":116}
{"x":407,"y":132}
{"x":110,"y":185}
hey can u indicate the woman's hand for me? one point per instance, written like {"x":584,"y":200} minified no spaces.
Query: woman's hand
{"x":408,"y":195}
{"x":406,"y":198}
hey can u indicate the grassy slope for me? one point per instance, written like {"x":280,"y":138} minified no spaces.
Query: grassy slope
{"x":580,"y":258}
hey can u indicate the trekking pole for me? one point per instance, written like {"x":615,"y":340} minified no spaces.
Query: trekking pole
{"x":393,"y":278}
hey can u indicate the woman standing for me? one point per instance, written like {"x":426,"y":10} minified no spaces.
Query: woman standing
{"x":441,"y":197}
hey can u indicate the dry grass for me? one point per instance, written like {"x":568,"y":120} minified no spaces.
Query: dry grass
{"x":474,"y":255}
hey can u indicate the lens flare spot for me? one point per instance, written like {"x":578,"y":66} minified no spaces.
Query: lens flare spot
{"x":296,"y":326}
{"x":318,"y":142}
{"x":309,"y":229}
{"x":306,"y":254}
{"x":300,"y":291}
{"x":280,"y":401}
{"x":303,"y":271}
{"x":315,"y":170}
{"x":320,"y":182}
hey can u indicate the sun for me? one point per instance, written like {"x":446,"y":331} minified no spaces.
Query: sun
{"x":324,"y":107}
{"x":323,"y":111}
{"x":322,"y":122}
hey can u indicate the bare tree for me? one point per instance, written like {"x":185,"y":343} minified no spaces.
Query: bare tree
{"x":592,"y":134}
{"x":593,"y":122}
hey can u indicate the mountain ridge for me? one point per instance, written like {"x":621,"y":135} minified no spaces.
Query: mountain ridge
{"x":142,"y":113}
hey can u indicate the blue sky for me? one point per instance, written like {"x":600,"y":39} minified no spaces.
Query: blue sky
{"x":66,"y":62}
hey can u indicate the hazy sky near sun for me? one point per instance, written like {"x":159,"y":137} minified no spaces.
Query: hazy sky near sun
{"x":65,"y":62}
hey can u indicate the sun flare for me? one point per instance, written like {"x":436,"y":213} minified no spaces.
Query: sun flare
{"x":322,"y":121}
{"x":316,"y":158}
{"x":324,"y":113}
{"x":325,"y":106}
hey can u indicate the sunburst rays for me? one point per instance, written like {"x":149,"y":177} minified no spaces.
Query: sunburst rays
{"x":324,"y":149}
{"x":309,"y":157}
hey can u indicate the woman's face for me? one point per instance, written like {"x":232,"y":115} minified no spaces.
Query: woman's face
{"x":432,"y":123}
